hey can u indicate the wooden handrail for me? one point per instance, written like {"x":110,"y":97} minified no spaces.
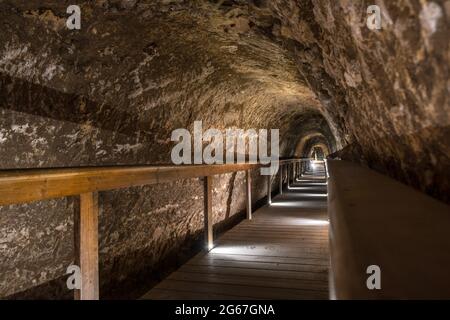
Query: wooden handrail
{"x":27,"y":185}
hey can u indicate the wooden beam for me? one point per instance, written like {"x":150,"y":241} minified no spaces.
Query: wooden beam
{"x":208,"y":217}
{"x":87,"y":247}
{"x":248,"y":194}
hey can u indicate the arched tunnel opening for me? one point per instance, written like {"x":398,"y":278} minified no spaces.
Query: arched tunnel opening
{"x":359,"y":100}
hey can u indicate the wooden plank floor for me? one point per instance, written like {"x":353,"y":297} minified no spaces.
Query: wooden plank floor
{"x":281,"y":254}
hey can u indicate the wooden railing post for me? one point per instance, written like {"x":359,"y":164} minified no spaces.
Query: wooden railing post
{"x":288,"y":175}
{"x":87,"y":246}
{"x":300,"y":169}
{"x":207,"y":194}
{"x":281,"y":179}
{"x":248,"y":194}
{"x":269,"y":189}
{"x":294,"y":171}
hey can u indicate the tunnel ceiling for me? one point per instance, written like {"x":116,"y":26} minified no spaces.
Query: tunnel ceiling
{"x":139,"y":69}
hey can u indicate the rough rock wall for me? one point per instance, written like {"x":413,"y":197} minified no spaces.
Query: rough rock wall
{"x":388,"y":88}
{"x":111,"y":94}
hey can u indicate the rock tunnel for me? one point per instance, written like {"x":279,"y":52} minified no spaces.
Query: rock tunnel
{"x":111,"y":92}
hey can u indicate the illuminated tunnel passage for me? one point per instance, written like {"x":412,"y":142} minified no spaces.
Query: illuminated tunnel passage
{"x":112,"y":93}
{"x":282,"y":253}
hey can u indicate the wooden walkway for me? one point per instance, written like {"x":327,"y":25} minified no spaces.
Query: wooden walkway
{"x":282,"y":253}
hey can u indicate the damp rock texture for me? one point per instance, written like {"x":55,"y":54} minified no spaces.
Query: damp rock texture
{"x":112,"y":92}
